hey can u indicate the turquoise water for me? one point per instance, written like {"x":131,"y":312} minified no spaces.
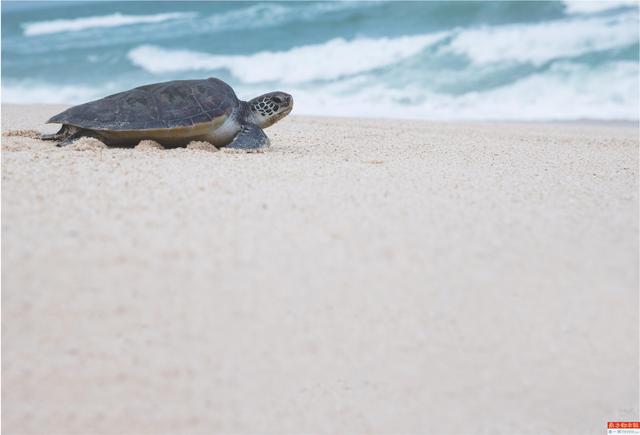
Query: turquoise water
{"x":431,"y":60}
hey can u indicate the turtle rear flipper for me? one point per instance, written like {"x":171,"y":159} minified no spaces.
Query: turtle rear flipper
{"x":53,"y":136}
{"x":60,"y":135}
{"x":66,"y":135}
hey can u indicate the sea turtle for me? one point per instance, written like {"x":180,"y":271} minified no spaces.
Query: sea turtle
{"x":175,"y":113}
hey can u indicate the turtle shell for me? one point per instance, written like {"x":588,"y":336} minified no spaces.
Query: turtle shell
{"x":178,"y":103}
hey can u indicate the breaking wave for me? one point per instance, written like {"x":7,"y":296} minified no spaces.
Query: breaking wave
{"x":540,"y":43}
{"x":272,"y":14}
{"x":586,"y":7}
{"x":565,"y":92}
{"x":331,"y":60}
{"x":113,"y":20}
{"x":434,"y":60}
{"x":339,"y":58}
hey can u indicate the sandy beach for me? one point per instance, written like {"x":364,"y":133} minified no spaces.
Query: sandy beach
{"x":360,"y":276}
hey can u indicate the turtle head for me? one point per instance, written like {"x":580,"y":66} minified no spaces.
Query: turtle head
{"x":269,"y":108}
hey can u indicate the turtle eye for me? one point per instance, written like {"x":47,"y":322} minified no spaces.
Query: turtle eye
{"x":277,"y":100}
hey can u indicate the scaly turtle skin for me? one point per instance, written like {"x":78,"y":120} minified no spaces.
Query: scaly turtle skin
{"x":174,"y":114}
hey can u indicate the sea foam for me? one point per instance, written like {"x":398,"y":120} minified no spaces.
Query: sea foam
{"x":535,"y":44}
{"x":589,"y":7}
{"x":331,"y":60}
{"x":577,"y":63}
{"x":113,"y":20}
{"x":540,"y":43}
{"x":272,"y":14}
{"x":566,"y":91}
{"x":28,"y":91}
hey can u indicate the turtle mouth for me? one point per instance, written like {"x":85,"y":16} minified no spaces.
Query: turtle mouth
{"x":289,"y":107}
{"x":285,"y":112}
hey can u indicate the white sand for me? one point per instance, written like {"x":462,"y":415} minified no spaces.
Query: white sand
{"x":360,"y":276}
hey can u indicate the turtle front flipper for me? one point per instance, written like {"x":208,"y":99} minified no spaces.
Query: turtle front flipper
{"x":250,"y":138}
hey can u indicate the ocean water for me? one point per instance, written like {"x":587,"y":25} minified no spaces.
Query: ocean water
{"x":430,"y":60}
